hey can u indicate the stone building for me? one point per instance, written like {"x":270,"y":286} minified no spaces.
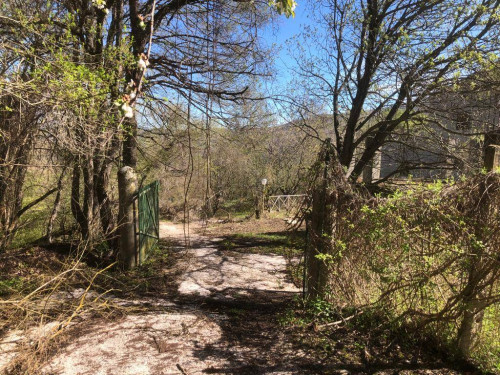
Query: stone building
{"x":448,"y":140}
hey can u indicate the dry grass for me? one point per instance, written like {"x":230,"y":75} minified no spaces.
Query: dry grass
{"x":44,"y":292}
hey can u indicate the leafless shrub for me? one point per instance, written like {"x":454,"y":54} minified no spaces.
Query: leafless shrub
{"x":426,"y":256}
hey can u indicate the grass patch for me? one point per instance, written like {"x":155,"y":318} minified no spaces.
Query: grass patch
{"x":289,"y":244}
{"x":488,"y":349}
{"x":31,"y":228}
{"x":235,"y":209}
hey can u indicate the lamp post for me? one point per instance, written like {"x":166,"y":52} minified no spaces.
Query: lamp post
{"x":264,"y":183}
{"x":259,"y":201}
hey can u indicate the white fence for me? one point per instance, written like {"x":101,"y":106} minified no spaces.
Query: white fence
{"x":286,"y":202}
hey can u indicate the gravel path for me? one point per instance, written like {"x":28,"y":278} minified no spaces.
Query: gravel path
{"x":220,"y":321}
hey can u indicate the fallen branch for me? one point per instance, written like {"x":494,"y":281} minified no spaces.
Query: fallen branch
{"x":181,"y":369}
{"x":35,"y":202}
{"x":338,"y":322}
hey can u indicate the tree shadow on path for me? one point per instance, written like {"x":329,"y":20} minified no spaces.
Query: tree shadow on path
{"x":252,"y":339}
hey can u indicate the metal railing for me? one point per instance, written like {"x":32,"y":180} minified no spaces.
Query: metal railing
{"x":286,"y":202}
{"x":149,"y":224}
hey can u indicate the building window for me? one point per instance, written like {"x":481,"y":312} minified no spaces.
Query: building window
{"x":463,"y":121}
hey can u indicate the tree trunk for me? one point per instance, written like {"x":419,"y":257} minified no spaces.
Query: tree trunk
{"x":76,"y":208}
{"x":130,"y":143}
{"x":470,"y":327}
{"x":89,"y":206}
{"x":472,"y":318}
{"x":105,"y":209}
{"x":55,"y":209}
{"x":11,"y":197}
{"x":320,"y":235}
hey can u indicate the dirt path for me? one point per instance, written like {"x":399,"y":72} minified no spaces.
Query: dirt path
{"x":214,"y":308}
{"x":228,"y":275}
{"x":219,"y":320}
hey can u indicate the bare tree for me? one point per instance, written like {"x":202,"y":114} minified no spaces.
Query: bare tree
{"x":379,"y":63}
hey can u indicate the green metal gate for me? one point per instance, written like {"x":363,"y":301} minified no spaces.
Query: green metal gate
{"x":149,"y":225}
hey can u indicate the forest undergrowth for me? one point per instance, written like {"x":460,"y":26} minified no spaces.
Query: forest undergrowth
{"x":424,"y":258}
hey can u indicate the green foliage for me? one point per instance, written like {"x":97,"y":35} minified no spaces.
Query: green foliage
{"x":236,"y":209}
{"x":488,"y":348}
{"x":286,"y":7}
{"x":308,"y":311}
{"x":417,"y":254}
{"x":11,"y":286}
{"x":83,"y":89}
{"x":321,"y":310}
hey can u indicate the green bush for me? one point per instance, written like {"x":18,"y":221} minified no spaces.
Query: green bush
{"x":428,"y":257}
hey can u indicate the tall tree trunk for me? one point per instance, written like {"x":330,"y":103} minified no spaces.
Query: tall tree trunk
{"x":55,"y":208}
{"x":127,"y":186}
{"x":76,"y":208}
{"x":11,"y":199}
{"x":108,"y":220}
{"x":130,"y":143}
{"x":479,"y":267}
{"x":470,"y":326}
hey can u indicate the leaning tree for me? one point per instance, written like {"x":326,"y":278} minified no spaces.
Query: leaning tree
{"x":378,"y":65}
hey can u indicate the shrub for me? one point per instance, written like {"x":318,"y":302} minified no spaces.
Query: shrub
{"x":428,"y":256}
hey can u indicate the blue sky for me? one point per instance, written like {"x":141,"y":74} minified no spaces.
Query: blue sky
{"x":281,"y":31}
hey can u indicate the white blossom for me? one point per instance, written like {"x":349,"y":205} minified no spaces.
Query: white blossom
{"x":141,"y":64}
{"x":127,"y":110}
{"x":143,"y":61}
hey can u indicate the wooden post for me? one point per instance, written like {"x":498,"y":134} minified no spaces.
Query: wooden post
{"x":491,"y":153}
{"x":127,"y":189}
{"x":321,"y":227}
{"x":263,"y":200}
{"x":257,"y":207}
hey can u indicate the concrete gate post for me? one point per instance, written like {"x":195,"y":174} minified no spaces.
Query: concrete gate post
{"x":127,"y":189}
